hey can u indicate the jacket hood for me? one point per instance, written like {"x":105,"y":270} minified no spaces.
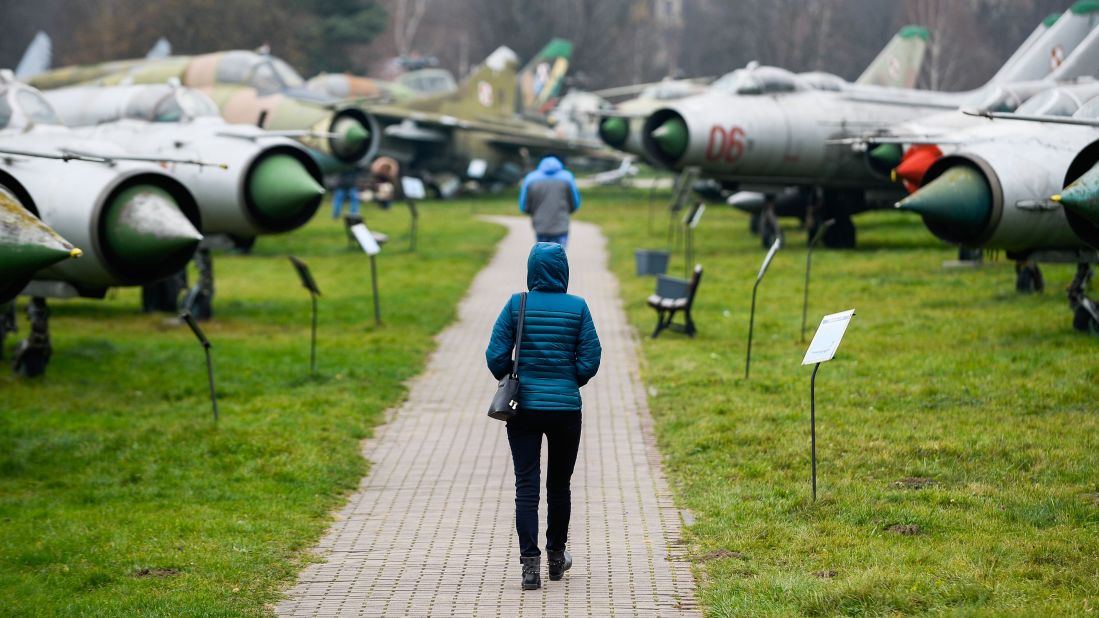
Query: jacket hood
{"x":550,"y":165}
{"x":547,"y":268}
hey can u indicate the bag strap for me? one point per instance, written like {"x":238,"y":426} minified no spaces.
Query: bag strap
{"x":519,"y":334}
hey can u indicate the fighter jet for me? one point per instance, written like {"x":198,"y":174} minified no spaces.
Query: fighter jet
{"x":26,"y":246}
{"x":1001,"y":188}
{"x":898,"y":65}
{"x":475,"y":133}
{"x":767,"y":130}
{"x":136,"y":223}
{"x":249,"y":88}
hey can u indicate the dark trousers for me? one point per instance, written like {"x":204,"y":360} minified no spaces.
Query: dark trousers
{"x":525,"y":431}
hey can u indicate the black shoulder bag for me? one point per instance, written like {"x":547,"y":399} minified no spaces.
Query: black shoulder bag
{"x":505,"y":404}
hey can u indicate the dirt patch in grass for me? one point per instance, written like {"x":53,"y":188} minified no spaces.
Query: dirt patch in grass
{"x":904,"y":529}
{"x":915,"y":482}
{"x":826,"y":574}
{"x":156,"y":572}
{"x":718,"y":554}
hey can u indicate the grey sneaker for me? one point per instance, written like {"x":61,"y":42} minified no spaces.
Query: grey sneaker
{"x":559,"y":562}
{"x":531,"y":566}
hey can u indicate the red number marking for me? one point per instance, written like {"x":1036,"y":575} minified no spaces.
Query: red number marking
{"x":727,"y":146}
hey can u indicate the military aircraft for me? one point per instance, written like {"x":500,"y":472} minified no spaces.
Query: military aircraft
{"x":135,"y":223}
{"x":475,"y":133}
{"x":1001,"y":188}
{"x":26,"y":246}
{"x":249,"y":88}
{"x":767,"y":130}
{"x":898,"y":65}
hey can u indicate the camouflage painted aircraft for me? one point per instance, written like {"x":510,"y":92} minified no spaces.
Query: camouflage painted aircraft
{"x":249,"y":88}
{"x":1029,"y":189}
{"x":898,"y":65}
{"x":766,"y":132}
{"x":476,"y":133}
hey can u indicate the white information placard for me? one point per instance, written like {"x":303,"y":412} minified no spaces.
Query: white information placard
{"x":413,"y":187}
{"x":828,"y":337}
{"x":770,"y":256}
{"x":477,"y":168}
{"x":696,"y":216}
{"x":366,"y":239}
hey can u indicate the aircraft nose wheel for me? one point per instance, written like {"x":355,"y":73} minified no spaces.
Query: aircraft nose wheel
{"x":1085,"y":313}
{"x":1028,"y":278}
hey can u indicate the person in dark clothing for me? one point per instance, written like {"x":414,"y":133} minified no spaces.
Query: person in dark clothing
{"x":549,"y":195}
{"x":560,"y":353}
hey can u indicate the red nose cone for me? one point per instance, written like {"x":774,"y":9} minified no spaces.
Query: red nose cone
{"x":915,"y":163}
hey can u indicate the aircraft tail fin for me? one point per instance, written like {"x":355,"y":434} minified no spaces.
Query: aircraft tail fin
{"x":1048,"y":47}
{"x":542,"y":79}
{"x":899,"y":64}
{"x":161,"y":49}
{"x":37,"y":58}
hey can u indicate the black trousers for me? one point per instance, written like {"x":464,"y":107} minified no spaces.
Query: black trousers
{"x":525,"y":431}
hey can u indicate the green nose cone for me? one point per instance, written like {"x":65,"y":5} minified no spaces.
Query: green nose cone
{"x":26,"y":244}
{"x":280,"y":187}
{"x":671,"y":137}
{"x":959,"y":201}
{"x":144,"y":225}
{"x":614,"y":130}
{"x":889,"y":155}
{"x":354,"y":135}
{"x":1082,"y":196}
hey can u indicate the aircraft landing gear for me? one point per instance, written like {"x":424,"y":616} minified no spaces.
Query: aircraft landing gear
{"x":838,"y":205}
{"x":754,"y":223}
{"x":1085,"y":313}
{"x":164,"y":295}
{"x":7,"y":323}
{"x":33,"y":353}
{"x":769,"y":228}
{"x":1028,"y":278}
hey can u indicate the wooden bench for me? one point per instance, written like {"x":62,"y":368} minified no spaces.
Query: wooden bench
{"x":675,"y":295}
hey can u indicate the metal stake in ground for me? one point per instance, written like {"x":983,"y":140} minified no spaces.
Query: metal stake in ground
{"x":370,"y":246}
{"x":413,"y":189}
{"x":752,"y":319}
{"x":823,"y":349}
{"x":310,"y":284}
{"x":190,"y":320}
{"x":808,"y":264}
{"x":691,"y":222}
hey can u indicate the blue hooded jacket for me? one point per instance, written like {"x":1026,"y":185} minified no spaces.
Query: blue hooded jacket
{"x":560,"y":350}
{"x":549,"y":195}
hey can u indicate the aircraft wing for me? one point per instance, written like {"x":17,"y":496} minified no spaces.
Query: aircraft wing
{"x":1069,"y":120}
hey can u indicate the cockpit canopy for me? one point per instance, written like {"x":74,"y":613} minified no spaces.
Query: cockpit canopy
{"x":819,"y":80}
{"x":429,"y":81}
{"x":21,"y":106}
{"x":1089,"y":110}
{"x":1055,"y":102}
{"x":760,"y":80}
{"x":266,"y":74}
{"x":169,"y":104}
{"x":670,"y":90}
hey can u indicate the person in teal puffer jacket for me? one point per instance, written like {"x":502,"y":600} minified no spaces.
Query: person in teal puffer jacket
{"x":560,"y":353}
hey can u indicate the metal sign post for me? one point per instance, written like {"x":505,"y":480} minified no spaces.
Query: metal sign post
{"x":310,"y":284}
{"x":808,"y":264}
{"x":822,"y":349}
{"x":691,"y":222}
{"x":190,"y":320}
{"x":370,"y":246}
{"x":413,"y":189}
{"x":752,"y":320}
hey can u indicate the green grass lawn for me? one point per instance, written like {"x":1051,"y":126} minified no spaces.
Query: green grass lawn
{"x":958,"y":439}
{"x":118,"y":493}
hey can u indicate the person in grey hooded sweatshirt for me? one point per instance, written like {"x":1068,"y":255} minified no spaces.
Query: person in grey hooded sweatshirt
{"x":549,"y":195}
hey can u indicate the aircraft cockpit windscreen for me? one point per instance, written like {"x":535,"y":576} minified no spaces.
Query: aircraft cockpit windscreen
{"x":35,"y":107}
{"x":759,"y":81}
{"x":1087,"y":111}
{"x":196,"y":104}
{"x":429,"y":81}
{"x":819,"y":80}
{"x":1050,"y":103}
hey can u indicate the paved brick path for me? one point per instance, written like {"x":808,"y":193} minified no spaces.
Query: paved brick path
{"x":430,"y":531}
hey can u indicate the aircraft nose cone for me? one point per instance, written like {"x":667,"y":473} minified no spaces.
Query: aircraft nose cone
{"x":352,"y":136}
{"x":888,"y":155}
{"x":1082,"y":197}
{"x":614,"y":130}
{"x":959,"y":201}
{"x":671,"y":137}
{"x":26,"y":244}
{"x":280,"y":187}
{"x":144,"y":225}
